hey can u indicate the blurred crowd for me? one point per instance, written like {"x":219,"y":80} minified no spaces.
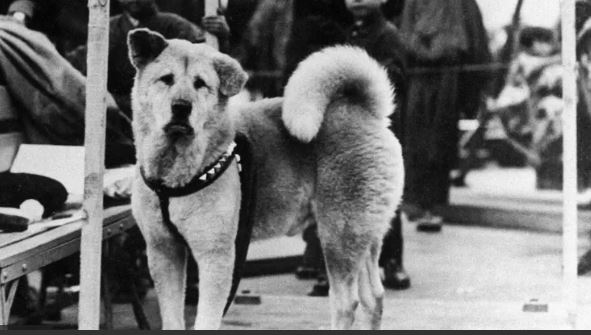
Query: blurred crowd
{"x":445,"y":67}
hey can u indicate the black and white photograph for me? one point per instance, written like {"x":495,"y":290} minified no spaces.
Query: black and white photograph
{"x":295,"y":165}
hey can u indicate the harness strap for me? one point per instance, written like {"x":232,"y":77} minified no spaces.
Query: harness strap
{"x":246,"y":217}
{"x":164,"y":204}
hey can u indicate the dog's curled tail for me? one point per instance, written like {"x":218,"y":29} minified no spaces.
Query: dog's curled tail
{"x":327,"y":75}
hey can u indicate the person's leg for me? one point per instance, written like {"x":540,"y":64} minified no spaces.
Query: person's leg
{"x":415,"y":175}
{"x":442,"y":150}
{"x":314,"y":249}
{"x":415,"y":142}
{"x":433,"y":187}
{"x":313,"y":266}
{"x":391,"y":257}
{"x":470,"y":161}
{"x":312,"y":260}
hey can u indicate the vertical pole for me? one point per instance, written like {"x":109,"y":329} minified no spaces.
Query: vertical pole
{"x":211,"y":9}
{"x":570,"y":230}
{"x":96,"y":105}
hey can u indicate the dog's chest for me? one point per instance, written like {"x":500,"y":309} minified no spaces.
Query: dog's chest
{"x":218,"y":204}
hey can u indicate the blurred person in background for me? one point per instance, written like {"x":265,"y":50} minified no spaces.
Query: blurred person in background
{"x":314,"y":26}
{"x":527,"y":81}
{"x":441,"y":36}
{"x":51,"y":29}
{"x":262,"y":51}
{"x":367,"y":28}
{"x":382,"y":40}
{"x":65,"y":22}
{"x":392,"y":10}
{"x":282,"y":33}
{"x":228,"y":25}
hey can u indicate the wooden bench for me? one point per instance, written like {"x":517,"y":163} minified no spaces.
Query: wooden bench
{"x":23,"y":253}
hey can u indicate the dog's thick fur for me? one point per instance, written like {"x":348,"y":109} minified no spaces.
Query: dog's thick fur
{"x":324,"y":153}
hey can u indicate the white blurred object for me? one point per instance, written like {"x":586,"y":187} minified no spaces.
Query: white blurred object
{"x":32,"y":209}
{"x":551,"y":76}
{"x":510,"y":96}
{"x":496,"y":14}
{"x":117,"y":182}
{"x":468,"y":125}
{"x":584,"y":197}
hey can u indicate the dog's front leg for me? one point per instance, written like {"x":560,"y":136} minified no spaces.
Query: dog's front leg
{"x":215,"y":280}
{"x":168,"y":263}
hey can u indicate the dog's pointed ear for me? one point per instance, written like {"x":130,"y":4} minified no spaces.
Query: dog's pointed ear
{"x":232,"y":76}
{"x":144,"y":46}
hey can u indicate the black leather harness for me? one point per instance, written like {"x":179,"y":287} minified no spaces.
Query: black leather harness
{"x":242,"y":153}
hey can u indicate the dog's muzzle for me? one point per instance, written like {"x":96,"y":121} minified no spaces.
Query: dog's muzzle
{"x":176,"y":129}
{"x":179,"y":124}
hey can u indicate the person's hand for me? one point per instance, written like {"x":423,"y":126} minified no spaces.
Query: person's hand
{"x":216,"y":25}
{"x":19,"y":17}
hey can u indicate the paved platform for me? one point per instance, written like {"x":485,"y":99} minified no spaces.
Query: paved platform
{"x":462,"y":278}
{"x":508,"y":198}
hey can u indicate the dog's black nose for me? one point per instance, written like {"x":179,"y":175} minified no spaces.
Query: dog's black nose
{"x":181,"y":109}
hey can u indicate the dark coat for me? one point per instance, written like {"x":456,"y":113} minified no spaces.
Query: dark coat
{"x":315,"y":25}
{"x":49,"y":94}
{"x":440,"y":34}
{"x":382,"y":41}
{"x":237,"y":13}
{"x":4,"y":6}
{"x":65,"y":22}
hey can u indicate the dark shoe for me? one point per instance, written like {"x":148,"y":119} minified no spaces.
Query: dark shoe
{"x":412,"y":211}
{"x":306,"y":273}
{"x":429,"y":223}
{"x":395,"y":277}
{"x":321,"y":288}
{"x":585,"y":264}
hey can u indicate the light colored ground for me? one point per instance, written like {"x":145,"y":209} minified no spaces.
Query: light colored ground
{"x":462,"y":278}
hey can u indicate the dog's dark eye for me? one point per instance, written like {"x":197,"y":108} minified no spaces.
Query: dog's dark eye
{"x":198,"y":83}
{"x":167,"y":79}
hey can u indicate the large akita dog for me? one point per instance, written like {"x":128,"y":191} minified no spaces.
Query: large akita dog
{"x":322,"y":153}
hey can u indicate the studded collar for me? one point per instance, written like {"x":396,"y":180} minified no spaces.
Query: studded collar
{"x":208,"y":177}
